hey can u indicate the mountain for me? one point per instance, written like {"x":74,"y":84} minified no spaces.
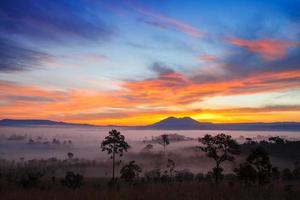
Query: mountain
{"x":35,"y":122}
{"x":187,"y":123}
{"x":274,"y":126}
{"x":177,"y":123}
{"x":170,"y":123}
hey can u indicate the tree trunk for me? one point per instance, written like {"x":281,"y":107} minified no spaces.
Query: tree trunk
{"x":113,"y":158}
{"x":217,"y":174}
{"x":113,"y":174}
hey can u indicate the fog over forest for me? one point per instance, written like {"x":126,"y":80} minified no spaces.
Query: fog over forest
{"x":42,"y":143}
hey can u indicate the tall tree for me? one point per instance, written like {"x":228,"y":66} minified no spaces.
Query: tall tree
{"x":260,"y":160}
{"x":164,"y":141}
{"x":258,"y":168}
{"x":220,"y":148}
{"x":170,"y":168}
{"x":114,"y":144}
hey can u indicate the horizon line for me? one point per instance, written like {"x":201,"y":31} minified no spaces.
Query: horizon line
{"x":142,"y":125}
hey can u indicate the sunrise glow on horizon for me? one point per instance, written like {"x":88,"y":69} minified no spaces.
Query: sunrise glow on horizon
{"x":130,"y":62}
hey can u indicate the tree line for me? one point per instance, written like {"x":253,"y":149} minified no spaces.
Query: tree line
{"x":256,"y":169}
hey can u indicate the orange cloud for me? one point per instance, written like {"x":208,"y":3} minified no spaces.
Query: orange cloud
{"x":145,"y":101}
{"x":181,"y":90}
{"x":268,"y":48}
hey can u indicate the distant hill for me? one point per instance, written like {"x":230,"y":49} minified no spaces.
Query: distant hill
{"x":274,"y":126}
{"x":170,"y":123}
{"x":187,"y":123}
{"x":35,"y":122}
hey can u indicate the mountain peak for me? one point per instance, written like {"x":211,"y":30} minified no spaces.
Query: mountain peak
{"x":177,"y":123}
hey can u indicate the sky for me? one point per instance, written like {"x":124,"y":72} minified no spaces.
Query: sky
{"x":130,"y":62}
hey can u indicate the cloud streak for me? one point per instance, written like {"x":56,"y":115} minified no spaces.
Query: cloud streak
{"x":27,"y":28}
{"x":158,"y":20}
{"x":55,"y":20}
{"x":17,"y":57}
{"x":269,"y":49}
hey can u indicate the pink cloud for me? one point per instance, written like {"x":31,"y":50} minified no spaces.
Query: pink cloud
{"x":207,"y":57}
{"x":95,"y":57}
{"x":169,"y":23}
{"x":269,"y":49}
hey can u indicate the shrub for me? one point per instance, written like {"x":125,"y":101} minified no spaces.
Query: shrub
{"x":30,"y":177}
{"x":200,"y":176}
{"x":72,"y":180}
{"x":130,"y":171}
{"x":153,"y":175}
{"x":184,"y":175}
{"x":287,"y":174}
{"x":246,"y":173}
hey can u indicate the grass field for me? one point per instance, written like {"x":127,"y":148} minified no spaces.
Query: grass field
{"x":160,"y":191}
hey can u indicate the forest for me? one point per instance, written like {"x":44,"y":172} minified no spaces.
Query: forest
{"x":252,"y":176}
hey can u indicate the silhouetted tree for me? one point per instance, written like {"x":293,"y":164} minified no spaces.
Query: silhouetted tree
{"x":70,"y":155}
{"x":114,"y":144}
{"x":287,"y":174}
{"x":130,"y":171}
{"x":30,"y":177}
{"x":275,"y":174}
{"x":53,"y":179}
{"x":249,"y":141}
{"x":220,"y":148}
{"x":184,"y":175}
{"x":170,"y":170}
{"x":260,"y":160}
{"x":153,"y":175}
{"x":296,"y":170}
{"x":164,"y":141}
{"x":170,"y":166}
{"x":148,"y":148}
{"x":72,"y":180}
{"x":277,"y":140}
{"x":246,"y":173}
{"x":200,"y":176}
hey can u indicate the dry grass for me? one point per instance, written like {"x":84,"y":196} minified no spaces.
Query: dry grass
{"x":159,"y":191}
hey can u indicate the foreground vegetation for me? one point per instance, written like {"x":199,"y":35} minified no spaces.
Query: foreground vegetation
{"x":253,"y":177}
{"x":160,"y":191}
